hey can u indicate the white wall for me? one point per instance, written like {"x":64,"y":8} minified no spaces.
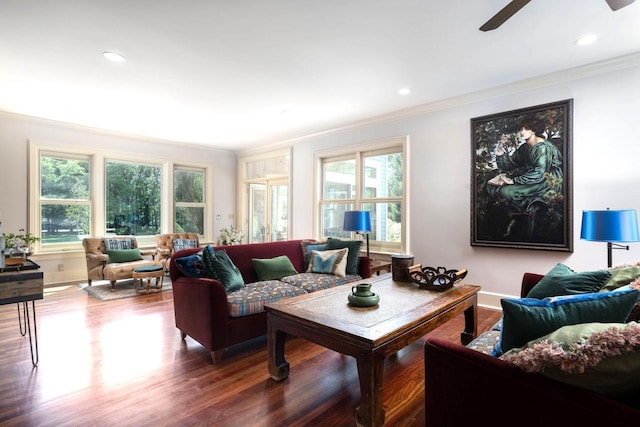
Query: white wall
{"x":606,"y":152}
{"x":15,"y":131}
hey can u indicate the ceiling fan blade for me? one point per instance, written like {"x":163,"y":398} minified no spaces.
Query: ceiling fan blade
{"x":507,"y":12}
{"x":618,"y":4}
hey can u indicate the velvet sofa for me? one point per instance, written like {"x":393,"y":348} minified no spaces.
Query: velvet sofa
{"x":465,"y":386}
{"x":218,"y":319}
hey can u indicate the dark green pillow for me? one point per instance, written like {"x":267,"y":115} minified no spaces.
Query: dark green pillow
{"x":218,"y":265}
{"x":621,"y":276}
{"x":526,"y":319}
{"x":124,"y":255}
{"x":353,"y":255}
{"x":562,"y":280}
{"x":273,"y":268}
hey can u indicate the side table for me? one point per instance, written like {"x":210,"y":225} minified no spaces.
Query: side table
{"x":379,"y":265}
{"x":21,"y":287}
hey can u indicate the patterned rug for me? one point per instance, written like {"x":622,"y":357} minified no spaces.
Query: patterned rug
{"x":101,"y":289}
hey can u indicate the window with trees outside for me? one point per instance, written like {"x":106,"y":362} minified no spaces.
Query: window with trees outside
{"x":373,"y":181}
{"x":81,"y":192}
{"x":188,"y":197}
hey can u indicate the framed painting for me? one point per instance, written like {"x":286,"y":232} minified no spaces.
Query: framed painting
{"x":521,"y":178}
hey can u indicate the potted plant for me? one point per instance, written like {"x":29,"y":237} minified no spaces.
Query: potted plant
{"x":21,"y":243}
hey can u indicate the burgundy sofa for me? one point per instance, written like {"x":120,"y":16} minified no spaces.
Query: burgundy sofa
{"x":200,"y":304}
{"x":467,"y":387}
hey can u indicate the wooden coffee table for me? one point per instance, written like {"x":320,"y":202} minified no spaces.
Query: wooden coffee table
{"x":370,"y":334}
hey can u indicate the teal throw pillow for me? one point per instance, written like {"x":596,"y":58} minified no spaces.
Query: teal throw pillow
{"x":124,"y":255}
{"x":601,"y":357}
{"x":218,"y":265}
{"x":354,"y":252}
{"x":329,"y":262}
{"x":273,"y":268}
{"x":562,"y":280}
{"x":621,"y":276}
{"x":311,"y":245}
{"x":192,"y":265}
{"x":526,"y":319}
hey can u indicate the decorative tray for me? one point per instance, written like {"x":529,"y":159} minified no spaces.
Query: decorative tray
{"x":22,"y":264}
{"x":435,"y":279}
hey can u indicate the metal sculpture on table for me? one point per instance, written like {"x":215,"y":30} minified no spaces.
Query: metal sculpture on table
{"x":435,"y":278}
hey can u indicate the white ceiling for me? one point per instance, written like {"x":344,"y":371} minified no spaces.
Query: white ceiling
{"x":233,"y":74}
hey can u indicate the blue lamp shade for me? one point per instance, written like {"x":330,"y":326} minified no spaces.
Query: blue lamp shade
{"x":359,"y":221}
{"x":610,"y":226}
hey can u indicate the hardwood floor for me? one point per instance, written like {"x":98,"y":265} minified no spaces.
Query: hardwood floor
{"x":122,"y":363}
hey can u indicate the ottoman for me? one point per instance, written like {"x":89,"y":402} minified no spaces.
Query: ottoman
{"x":142,"y":277}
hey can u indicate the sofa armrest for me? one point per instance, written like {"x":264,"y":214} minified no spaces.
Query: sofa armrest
{"x":200,"y":307}
{"x":146,"y":252}
{"x":98,"y":258}
{"x":464,"y":386}
{"x":529,"y":280}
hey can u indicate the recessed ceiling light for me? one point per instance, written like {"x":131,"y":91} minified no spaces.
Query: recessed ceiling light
{"x":115,"y":57}
{"x":404,"y":91}
{"x":587,"y":39}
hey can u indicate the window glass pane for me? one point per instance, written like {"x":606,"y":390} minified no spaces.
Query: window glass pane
{"x":278,"y":215}
{"x":339,"y":179}
{"x":66,"y":179}
{"x":257,"y":212}
{"x":188,"y":186}
{"x":189,"y":219}
{"x":64,"y":223}
{"x":386,"y":221}
{"x":133,"y":198}
{"x":383,"y":175}
{"x":333,"y":219}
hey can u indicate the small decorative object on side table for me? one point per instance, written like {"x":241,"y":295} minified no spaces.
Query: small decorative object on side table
{"x":435,"y":279}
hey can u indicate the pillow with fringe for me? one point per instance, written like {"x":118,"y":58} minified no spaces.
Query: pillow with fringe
{"x":601,"y":357}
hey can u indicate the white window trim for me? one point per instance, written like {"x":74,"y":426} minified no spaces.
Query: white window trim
{"x":380,"y":146}
{"x":98,"y":158}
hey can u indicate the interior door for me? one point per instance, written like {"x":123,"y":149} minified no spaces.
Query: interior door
{"x":268,"y":211}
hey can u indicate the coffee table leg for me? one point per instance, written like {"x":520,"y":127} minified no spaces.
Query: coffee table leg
{"x":278,"y":366}
{"x":370,"y":372}
{"x":470,"y":324}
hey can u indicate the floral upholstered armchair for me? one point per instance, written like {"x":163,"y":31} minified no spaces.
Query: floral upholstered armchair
{"x":115,"y":258}
{"x":168,"y":244}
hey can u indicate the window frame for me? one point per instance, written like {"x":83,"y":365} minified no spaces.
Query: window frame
{"x":359,"y":152}
{"x":97,"y":179}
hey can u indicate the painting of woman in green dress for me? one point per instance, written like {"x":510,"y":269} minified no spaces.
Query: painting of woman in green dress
{"x":521,"y":176}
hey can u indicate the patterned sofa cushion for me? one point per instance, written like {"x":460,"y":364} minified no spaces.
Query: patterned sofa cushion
{"x":252,"y":297}
{"x":311,"y":282}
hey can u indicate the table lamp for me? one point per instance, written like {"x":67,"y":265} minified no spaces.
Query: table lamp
{"x":360,"y":222}
{"x":610,"y":227}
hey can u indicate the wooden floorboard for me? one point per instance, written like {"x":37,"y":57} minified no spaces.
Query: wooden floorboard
{"x":122,"y":363}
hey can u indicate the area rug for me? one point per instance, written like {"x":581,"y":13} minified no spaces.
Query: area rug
{"x":101,"y":289}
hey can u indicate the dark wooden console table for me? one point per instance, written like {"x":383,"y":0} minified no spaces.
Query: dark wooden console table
{"x":21,"y":287}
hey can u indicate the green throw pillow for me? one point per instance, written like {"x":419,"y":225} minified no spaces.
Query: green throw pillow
{"x":562,"y":280}
{"x":621,"y":276}
{"x":607,"y":359}
{"x":354,"y":252}
{"x":526,"y":319}
{"x":218,"y":265}
{"x":124,"y":255}
{"x":273,"y":268}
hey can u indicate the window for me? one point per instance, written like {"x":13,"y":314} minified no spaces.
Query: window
{"x":133,"y":198}
{"x":371,"y":180}
{"x":65,"y":202}
{"x":188,"y":197}
{"x":80,"y":191}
